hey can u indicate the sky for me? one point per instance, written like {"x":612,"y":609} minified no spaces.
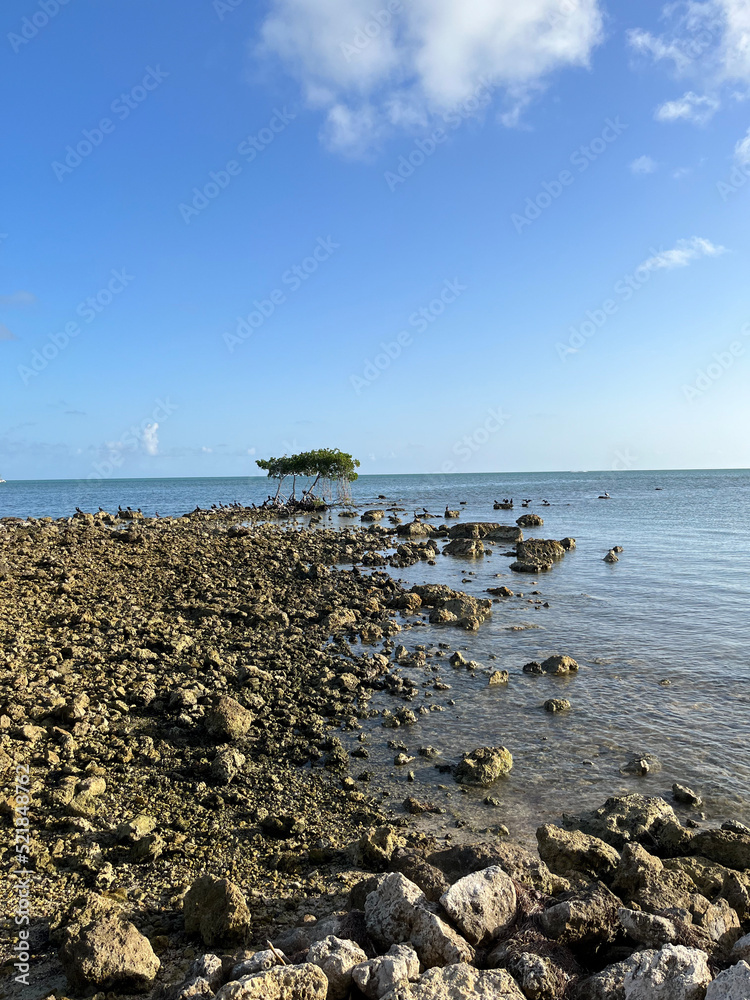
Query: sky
{"x":444,"y":237}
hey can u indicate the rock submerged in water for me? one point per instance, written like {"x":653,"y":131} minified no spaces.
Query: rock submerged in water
{"x":537,"y":555}
{"x":483,"y":766}
{"x":558,"y":666}
{"x":555,"y":705}
{"x":470,"y":548}
{"x":530,"y":521}
{"x":686,"y":795}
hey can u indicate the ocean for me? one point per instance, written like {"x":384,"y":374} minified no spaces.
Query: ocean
{"x":662,"y":636}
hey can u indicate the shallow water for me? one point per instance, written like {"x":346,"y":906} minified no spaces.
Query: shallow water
{"x":675,"y":607}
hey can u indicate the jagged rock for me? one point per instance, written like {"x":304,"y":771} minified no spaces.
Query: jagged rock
{"x":376,"y":847}
{"x":587,"y":918}
{"x":555,"y":705}
{"x":537,"y":555}
{"x":731,"y":984}
{"x":227,"y":720}
{"x":216,"y":909}
{"x":436,"y":943}
{"x":210,"y":968}
{"x":686,"y":795}
{"x":100,"y":949}
{"x":626,"y":818}
{"x":430,"y":879}
{"x":226,"y":765}
{"x":286,"y":982}
{"x":646,"y":929}
{"x":609,"y":984}
{"x":398,"y":967}
{"x":741,"y":950}
{"x":575,"y":853}
{"x":498,"y":677}
{"x":483,"y":766}
{"x":721,"y":923}
{"x":459,"y":982}
{"x":529,"y":521}
{"x":260,"y":961}
{"x":730,"y":848}
{"x":470,"y":548}
{"x":672,"y":973}
{"x":559,"y":666}
{"x":539,"y":977}
{"x":519,"y":863}
{"x":482,"y":904}
{"x":642,"y":878}
{"x":336,"y":958}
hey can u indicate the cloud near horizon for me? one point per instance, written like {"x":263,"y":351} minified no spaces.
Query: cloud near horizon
{"x":372,"y":71}
{"x":683,"y":253}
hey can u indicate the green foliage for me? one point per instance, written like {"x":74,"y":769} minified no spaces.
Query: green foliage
{"x":327,"y":464}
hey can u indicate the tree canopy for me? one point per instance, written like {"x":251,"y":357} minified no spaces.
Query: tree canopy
{"x":327,"y":464}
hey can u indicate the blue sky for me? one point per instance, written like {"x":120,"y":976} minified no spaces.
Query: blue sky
{"x":443,"y":237}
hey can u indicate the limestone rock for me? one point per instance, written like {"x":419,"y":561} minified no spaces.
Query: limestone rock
{"x":389,"y":910}
{"x":642,"y":878}
{"x":216,"y":909}
{"x":555,"y":705}
{"x":586,"y":918}
{"x":686,"y":795}
{"x":436,"y":943}
{"x":398,"y":967}
{"x":647,"y":930}
{"x":482,"y":904}
{"x":104,"y":951}
{"x":559,"y":666}
{"x":673,"y":973}
{"x":627,"y":818}
{"x":227,"y":720}
{"x":483,"y":766}
{"x":731,"y":984}
{"x":336,"y":958}
{"x":460,"y":982}
{"x":574,"y":853}
{"x":529,"y":521}
{"x":286,"y":982}
{"x":741,"y":950}
{"x":470,"y":548}
{"x":609,"y":984}
{"x":519,"y":863}
{"x":730,"y":848}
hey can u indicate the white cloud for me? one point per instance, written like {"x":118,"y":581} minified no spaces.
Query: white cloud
{"x":691,"y":107}
{"x":644,"y":165}
{"x":742,"y":151}
{"x":371,"y":70}
{"x":150,"y":439}
{"x":683,"y":253}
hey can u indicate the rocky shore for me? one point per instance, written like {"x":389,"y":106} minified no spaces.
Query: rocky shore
{"x":175,"y":688}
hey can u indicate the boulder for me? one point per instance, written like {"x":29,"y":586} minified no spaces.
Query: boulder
{"x":609,"y":984}
{"x":336,"y":958}
{"x":398,"y":967}
{"x":227,"y":720}
{"x":731,"y":984}
{"x":226,"y":765}
{"x":414,"y":529}
{"x":460,"y":982}
{"x":373,"y":515}
{"x":573,"y":853}
{"x":642,"y":878}
{"x":586,"y":918}
{"x":556,"y":705}
{"x":519,"y":863}
{"x":482,"y":905}
{"x":647,"y":930}
{"x":286,"y":982}
{"x":730,"y":848}
{"x":430,"y":880}
{"x":686,"y":795}
{"x":625,"y":819}
{"x":216,"y":909}
{"x":483,"y":766}
{"x":611,"y":557}
{"x":436,"y":943}
{"x":529,"y":521}
{"x":672,"y":973}
{"x":741,"y":950}
{"x":101,"y":950}
{"x":720,"y":922}
{"x":539,"y":976}
{"x":559,"y":666}
{"x":469,"y":548}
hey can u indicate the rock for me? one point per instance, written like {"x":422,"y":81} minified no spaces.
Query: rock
{"x":436,"y":943}
{"x":673,"y":973}
{"x":470,"y":548}
{"x":520,"y":864}
{"x":539,"y":976}
{"x":226,"y":765}
{"x":641,"y":765}
{"x":625,"y":819}
{"x":227,"y":720}
{"x":372,"y":515}
{"x":609,"y":984}
{"x":529,"y":521}
{"x":459,"y":982}
{"x":533,"y":667}
{"x":647,"y":930}
{"x":497,"y":677}
{"x":483,"y":766}
{"x":209,"y":968}
{"x":731,"y":984}
{"x":559,"y":666}
{"x":727,"y":847}
{"x":430,"y":879}
{"x":336,"y":958}
{"x":482,"y":904}
{"x":722,"y":925}
{"x":286,"y":982}
{"x":482,"y":529}
{"x":398,"y":967}
{"x":537,"y":555}
{"x":741,"y":950}
{"x":414,"y":529}
{"x":686,"y":795}
{"x":500,"y":591}
{"x":568,"y":543}
{"x":101,"y":950}
{"x":573,"y":853}
{"x":587,"y":918}
{"x":555,"y":705}
{"x":216,"y":909}
{"x":642,"y":878}
{"x":611,"y":557}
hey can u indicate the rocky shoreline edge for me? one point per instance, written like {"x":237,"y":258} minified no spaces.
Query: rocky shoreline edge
{"x":173,"y":688}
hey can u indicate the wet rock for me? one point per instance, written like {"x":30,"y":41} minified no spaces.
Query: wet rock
{"x":227,"y":720}
{"x":482,"y":904}
{"x":398,"y":967}
{"x":530,"y":521}
{"x":672,"y":973}
{"x":559,"y":666}
{"x":483,"y":766}
{"x":469,"y":548}
{"x":611,"y":557}
{"x":573,"y":853}
{"x":216,"y":909}
{"x":587,"y":918}
{"x":537,"y":555}
{"x":646,"y":764}
{"x":458,"y":982}
{"x":731,"y":984}
{"x":288,"y":982}
{"x":102,"y":950}
{"x":497,"y":677}
{"x":534,"y":667}
{"x":625,"y":819}
{"x":555,"y":705}
{"x":500,"y":591}
{"x":373,"y":515}
{"x":337,"y":959}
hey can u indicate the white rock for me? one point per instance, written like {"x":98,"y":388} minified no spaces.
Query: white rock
{"x":286,"y":982}
{"x":731,"y":984}
{"x":646,"y":929}
{"x":460,"y":982}
{"x":436,"y":943}
{"x":482,"y":904}
{"x":673,"y":973}
{"x":336,"y":958}
{"x":208,"y":967}
{"x":397,"y":967}
{"x":741,"y":950}
{"x":389,"y":910}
